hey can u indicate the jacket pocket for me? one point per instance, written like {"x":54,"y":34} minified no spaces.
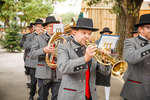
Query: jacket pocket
{"x":69,"y":89}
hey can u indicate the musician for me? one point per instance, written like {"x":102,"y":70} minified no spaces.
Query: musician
{"x":23,"y":39}
{"x":101,"y":79}
{"x":77,"y":65}
{"x":135,"y":32}
{"x":69,"y":36}
{"x":47,"y":77}
{"x":31,"y":64}
{"x":137,"y":53}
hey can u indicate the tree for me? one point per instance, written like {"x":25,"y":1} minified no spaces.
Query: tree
{"x":66,"y":18}
{"x":127,"y":12}
{"x":12,"y":38}
{"x":32,"y":10}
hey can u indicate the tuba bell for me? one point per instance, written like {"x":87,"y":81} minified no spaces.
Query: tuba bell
{"x":118,"y":66}
{"x":55,"y":40}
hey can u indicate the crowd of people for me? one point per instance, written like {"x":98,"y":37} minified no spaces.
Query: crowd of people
{"x":77,"y":73}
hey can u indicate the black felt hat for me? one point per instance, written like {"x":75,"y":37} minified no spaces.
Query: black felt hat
{"x":144,"y":19}
{"x":31,"y":24}
{"x":106,"y":29}
{"x":38,"y":21}
{"x":135,"y":30}
{"x":84,"y":23}
{"x":50,"y":19}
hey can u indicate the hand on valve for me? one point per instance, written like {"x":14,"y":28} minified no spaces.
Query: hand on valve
{"x":49,"y":49}
{"x":90,"y":51}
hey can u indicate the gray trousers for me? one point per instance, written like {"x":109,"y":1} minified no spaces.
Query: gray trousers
{"x":44,"y":86}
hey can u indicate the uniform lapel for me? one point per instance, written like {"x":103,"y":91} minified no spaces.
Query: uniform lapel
{"x":143,"y":42}
{"x":46,"y":37}
{"x":78,"y":50}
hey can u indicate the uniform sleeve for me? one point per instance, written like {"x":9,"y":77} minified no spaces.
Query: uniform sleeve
{"x":133,"y":55}
{"x":23,"y":39}
{"x":28,"y":42}
{"x":36,"y":51}
{"x":66,"y":65}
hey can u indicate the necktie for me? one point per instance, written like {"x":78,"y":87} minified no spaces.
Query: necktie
{"x":53,"y":60}
{"x":87,"y":91}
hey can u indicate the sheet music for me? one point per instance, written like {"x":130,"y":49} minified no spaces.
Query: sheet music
{"x":108,"y":41}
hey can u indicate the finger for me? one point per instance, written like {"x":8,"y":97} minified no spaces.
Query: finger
{"x":92,"y":54}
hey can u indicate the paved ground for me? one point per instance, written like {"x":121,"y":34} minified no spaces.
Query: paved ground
{"x":13,"y":80}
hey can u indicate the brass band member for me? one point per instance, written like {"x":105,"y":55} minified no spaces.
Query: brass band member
{"x":137,"y":53}
{"x":77,"y":65}
{"x":101,"y":79}
{"x":135,"y":32}
{"x":47,"y":77}
{"x":23,"y":39}
{"x":31,"y":64}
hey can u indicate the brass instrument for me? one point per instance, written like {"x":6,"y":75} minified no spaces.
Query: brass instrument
{"x":55,"y":39}
{"x":118,"y":67}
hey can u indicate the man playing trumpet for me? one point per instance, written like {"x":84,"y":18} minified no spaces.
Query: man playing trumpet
{"x":77,"y":65}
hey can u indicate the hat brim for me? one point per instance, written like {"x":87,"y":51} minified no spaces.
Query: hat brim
{"x":86,"y":28}
{"x":140,"y":24}
{"x":44,"y":24}
{"x":105,"y":31}
{"x":37,"y":23}
{"x":134,"y":32}
{"x":29,"y":26}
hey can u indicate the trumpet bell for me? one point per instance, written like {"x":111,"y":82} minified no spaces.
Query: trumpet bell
{"x":119,"y":68}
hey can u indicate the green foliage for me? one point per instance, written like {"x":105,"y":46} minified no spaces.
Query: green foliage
{"x":32,"y":9}
{"x":133,"y":9}
{"x":12,"y":38}
{"x":66,"y":18}
{"x":91,"y":2}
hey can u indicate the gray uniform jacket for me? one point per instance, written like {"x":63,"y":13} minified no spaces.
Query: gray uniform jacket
{"x":71,"y":63}
{"x":27,"y":46}
{"x":137,"y":77}
{"x":43,"y":71}
{"x":23,"y":39}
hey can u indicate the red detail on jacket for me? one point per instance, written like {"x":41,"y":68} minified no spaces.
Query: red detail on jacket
{"x":134,"y":81}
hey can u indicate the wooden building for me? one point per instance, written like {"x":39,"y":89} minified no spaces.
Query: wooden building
{"x":102,"y":17}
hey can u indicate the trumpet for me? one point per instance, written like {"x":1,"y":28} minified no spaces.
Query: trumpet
{"x":118,"y":66}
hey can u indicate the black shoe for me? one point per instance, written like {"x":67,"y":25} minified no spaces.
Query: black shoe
{"x":28,"y":85}
{"x":31,"y":98}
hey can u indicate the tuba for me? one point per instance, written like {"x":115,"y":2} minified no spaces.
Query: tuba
{"x":55,"y":40}
{"x":118,"y":66}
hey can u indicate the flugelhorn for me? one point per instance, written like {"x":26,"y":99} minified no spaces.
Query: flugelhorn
{"x":55,"y":40}
{"x":118,"y":66}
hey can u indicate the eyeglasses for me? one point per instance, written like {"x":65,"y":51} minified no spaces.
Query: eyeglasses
{"x":148,"y":27}
{"x":39,"y":26}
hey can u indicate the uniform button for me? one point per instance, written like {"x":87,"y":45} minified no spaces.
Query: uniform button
{"x":77,"y":68}
{"x":76,"y":49}
{"x":148,"y":74}
{"x":146,"y":84}
{"x":83,"y":80}
{"x":147,"y":51}
{"x":81,"y":67}
{"x":80,"y":80}
{"x":143,"y":44}
{"x":143,"y":53}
